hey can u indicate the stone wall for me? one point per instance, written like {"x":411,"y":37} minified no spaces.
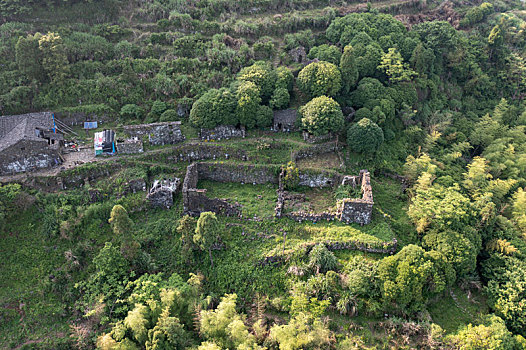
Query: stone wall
{"x":359,"y":210}
{"x":28,"y":155}
{"x":195,"y":151}
{"x":195,"y":200}
{"x":158,"y":133}
{"x":319,"y":179}
{"x":316,"y":139}
{"x":238,"y":173}
{"x":221,"y":132}
{"x":78,"y":118}
{"x":349,"y":210}
{"x":389,"y":247}
{"x":316,"y":150}
{"x":130,"y":146}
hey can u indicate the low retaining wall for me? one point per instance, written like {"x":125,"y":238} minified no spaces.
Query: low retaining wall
{"x":316,"y":150}
{"x":195,"y":151}
{"x":389,"y":248}
{"x":221,"y":132}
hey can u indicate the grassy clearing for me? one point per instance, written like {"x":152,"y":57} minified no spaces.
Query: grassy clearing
{"x":451,"y":314}
{"x":323,"y":161}
{"x":257,"y":200}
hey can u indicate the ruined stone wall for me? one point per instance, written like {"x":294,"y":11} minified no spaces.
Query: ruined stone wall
{"x":221,"y":132}
{"x":316,"y":150}
{"x":158,"y":133}
{"x":316,"y":139}
{"x":193,"y":152}
{"x":359,"y":210}
{"x":239,"y":173}
{"x":319,"y":179}
{"x":130,"y":147}
{"x":195,"y":200}
{"x":28,"y":155}
{"x":389,"y":247}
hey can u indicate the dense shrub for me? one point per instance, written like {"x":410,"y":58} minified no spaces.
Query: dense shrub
{"x":365,"y":136}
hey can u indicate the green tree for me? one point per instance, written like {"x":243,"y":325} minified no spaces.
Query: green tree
{"x":519,"y":209}
{"x":131,"y":111}
{"x":327,"y":53}
{"x":439,"y":206}
{"x":408,"y":278}
{"x":262,"y":75}
{"x":394,"y":67}
{"x":368,"y":89}
{"x":54,"y":58}
{"x":225,"y":326}
{"x":507,"y":294}
{"x":214,"y":107}
{"x":491,"y":334}
{"x":302,"y":332}
{"x":280,"y":98}
{"x":186,"y":228}
{"x":207,"y":232}
{"x":365,"y":136}
{"x":322,"y":115}
{"x":460,"y":249}
{"x":320,"y":78}
{"x":123,"y":228}
{"x":264,"y":117}
{"x":29,"y":57}
{"x":248,"y":102}
{"x":284,"y":78}
{"x":348,"y":69}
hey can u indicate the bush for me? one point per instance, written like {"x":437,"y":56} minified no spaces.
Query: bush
{"x":365,"y":136}
{"x":321,"y":259}
{"x":264,"y":117}
{"x":280,"y":98}
{"x":169,"y":115}
{"x":131,"y":111}
{"x":322,"y":115}
{"x":326,"y":53}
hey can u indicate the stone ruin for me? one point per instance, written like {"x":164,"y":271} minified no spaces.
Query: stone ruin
{"x":310,"y":138}
{"x":298,"y":55}
{"x":130,"y":146}
{"x":348,"y":210}
{"x":158,"y":133}
{"x":195,"y":201}
{"x":358,"y":210}
{"x":161,"y":194}
{"x":222,"y":132}
{"x":285,"y":120}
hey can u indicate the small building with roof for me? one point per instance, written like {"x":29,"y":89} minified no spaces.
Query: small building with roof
{"x":29,"y":142}
{"x":285,"y":120}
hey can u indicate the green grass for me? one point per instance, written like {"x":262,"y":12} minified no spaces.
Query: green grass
{"x":447,"y":314}
{"x":256,"y":200}
{"x":28,"y":310}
